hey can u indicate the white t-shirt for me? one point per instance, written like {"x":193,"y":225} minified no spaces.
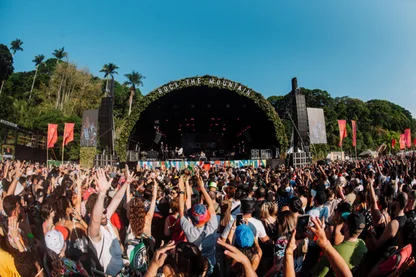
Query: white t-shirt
{"x":111,"y":259}
{"x":255,"y":225}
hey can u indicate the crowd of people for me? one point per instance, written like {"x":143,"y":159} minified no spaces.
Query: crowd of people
{"x":352,"y":218}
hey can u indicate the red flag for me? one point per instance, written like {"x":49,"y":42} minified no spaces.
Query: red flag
{"x":354,"y":132}
{"x":414,"y":141}
{"x":402,"y":141}
{"x":68,"y":133}
{"x":342,"y":124}
{"x":52,"y":134}
{"x":393,"y":143}
{"x":408,"y":138}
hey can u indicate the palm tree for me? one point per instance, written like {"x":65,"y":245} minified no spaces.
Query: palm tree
{"x":134,"y":78}
{"x":60,"y":54}
{"x":109,"y":70}
{"x":38,"y":61}
{"x":16,"y":45}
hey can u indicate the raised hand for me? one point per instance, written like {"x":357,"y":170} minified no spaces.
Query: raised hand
{"x":233,"y":252}
{"x":319,"y":230}
{"x":160,"y":255}
{"x":103,"y":183}
{"x":291,"y":245}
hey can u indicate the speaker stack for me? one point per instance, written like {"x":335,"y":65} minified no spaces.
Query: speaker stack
{"x":300,"y":117}
{"x":105,"y":121}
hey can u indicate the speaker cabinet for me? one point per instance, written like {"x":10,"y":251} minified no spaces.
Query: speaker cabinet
{"x":105,"y":121}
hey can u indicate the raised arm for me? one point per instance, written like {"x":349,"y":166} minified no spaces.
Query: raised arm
{"x":338,"y":264}
{"x":208,"y":199}
{"x":181,"y":197}
{"x":18,"y":172}
{"x":97,"y":212}
{"x":188,"y":203}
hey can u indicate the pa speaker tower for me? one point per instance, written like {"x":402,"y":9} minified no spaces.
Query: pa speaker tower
{"x":105,"y":120}
{"x":300,"y":117}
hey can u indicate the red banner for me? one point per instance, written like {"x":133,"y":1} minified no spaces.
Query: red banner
{"x":414,"y":141}
{"x":52,"y":134}
{"x":393,"y":143}
{"x":402,"y":141}
{"x":68,"y":133}
{"x":342,"y":124}
{"x":408,"y":138}
{"x":354,"y":132}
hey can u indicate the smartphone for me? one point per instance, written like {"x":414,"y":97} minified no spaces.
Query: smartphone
{"x":239,"y":219}
{"x":302,"y":226}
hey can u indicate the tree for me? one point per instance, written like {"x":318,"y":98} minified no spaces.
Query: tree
{"x":109,"y":70}
{"x":16,"y":45}
{"x":59,"y":54}
{"x":6,"y":64}
{"x":134,"y":78}
{"x":38,"y":61}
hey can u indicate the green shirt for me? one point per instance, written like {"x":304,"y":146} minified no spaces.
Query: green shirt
{"x":352,"y":252}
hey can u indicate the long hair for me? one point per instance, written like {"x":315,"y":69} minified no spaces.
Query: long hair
{"x":268,"y":209}
{"x":53,"y":263}
{"x":189,"y":261}
{"x":287,"y":222}
{"x":225,"y":214}
{"x":60,"y":206}
{"x":137,"y":216}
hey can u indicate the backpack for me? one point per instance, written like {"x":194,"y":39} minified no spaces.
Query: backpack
{"x":95,"y":269}
{"x":394,"y":259}
{"x":138,"y":254}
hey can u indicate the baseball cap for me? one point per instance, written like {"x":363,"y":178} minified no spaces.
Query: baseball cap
{"x":356,"y":221}
{"x":213,"y":185}
{"x":244,"y":237}
{"x":54,"y":241}
{"x":199,"y":214}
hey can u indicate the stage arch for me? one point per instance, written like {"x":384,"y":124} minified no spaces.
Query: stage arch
{"x":209,"y":87}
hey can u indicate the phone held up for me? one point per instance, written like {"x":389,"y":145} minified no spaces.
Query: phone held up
{"x":239,"y":219}
{"x":302,"y":226}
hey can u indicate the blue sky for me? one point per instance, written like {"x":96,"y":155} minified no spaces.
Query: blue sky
{"x":359,"y":48}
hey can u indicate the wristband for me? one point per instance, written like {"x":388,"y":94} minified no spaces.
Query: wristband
{"x":182,"y":192}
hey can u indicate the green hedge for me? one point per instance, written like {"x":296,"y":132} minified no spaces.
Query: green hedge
{"x":210,"y":81}
{"x":87,"y":155}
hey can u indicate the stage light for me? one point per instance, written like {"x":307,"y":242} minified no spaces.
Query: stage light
{"x":209,"y":106}
{"x":167,"y":120}
{"x":224,"y":129}
{"x":228,"y":105}
{"x":192,"y":118}
{"x":216,"y":124}
{"x":179,"y":130}
{"x":187,"y":124}
{"x":219,"y":118}
{"x":212,"y":118}
{"x":192,"y":106}
{"x":238,"y":118}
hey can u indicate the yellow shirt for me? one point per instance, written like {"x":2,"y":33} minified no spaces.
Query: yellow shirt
{"x":7,"y":267}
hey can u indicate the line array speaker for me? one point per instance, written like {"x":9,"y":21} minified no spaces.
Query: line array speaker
{"x":105,"y":121}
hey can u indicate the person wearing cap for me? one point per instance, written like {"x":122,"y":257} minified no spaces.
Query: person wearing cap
{"x":212,"y":186}
{"x":200,"y":223}
{"x":352,"y":249}
{"x":55,"y":262}
{"x":256,"y":226}
{"x":247,"y":244}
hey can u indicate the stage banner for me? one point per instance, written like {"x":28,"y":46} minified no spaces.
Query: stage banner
{"x":89,"y":128}
{"x":342,"y":124}
{"x":52,"y":134}
{"x":68,"y":133}
{"x":393,"y":143}
{"x":402,"y":141}
{"x":317,"y":130}
{"x":408,"y":137}
{"x":354,"y":132}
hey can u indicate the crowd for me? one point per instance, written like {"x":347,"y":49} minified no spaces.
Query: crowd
{"x":339,"y":219}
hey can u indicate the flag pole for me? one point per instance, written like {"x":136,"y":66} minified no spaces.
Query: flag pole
{"x":63,"y":149}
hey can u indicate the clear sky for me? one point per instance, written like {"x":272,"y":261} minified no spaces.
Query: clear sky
{"x":359,"y":48}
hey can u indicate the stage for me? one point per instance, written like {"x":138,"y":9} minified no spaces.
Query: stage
{"x":207,"y":165}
